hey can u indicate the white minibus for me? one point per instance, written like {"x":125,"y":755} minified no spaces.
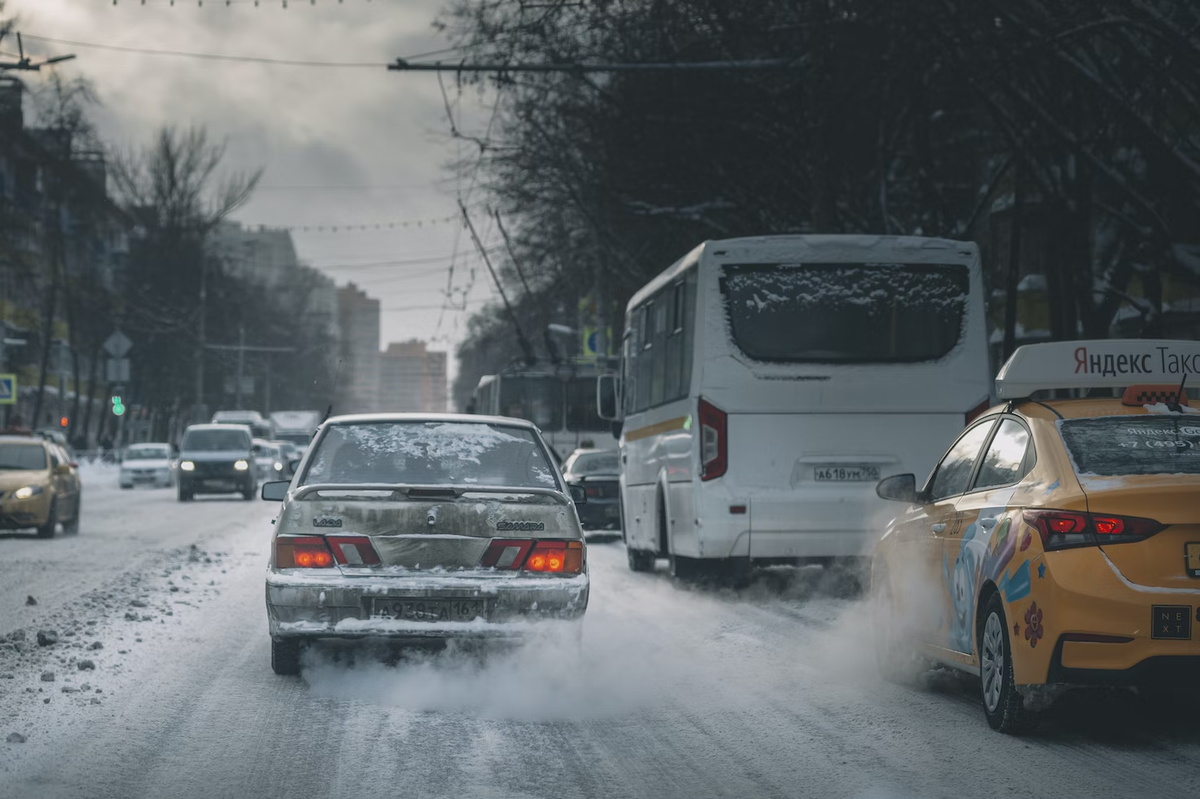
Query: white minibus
{"x":767,"y":384}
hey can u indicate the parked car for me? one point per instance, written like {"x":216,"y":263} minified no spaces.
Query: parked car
{"x":39,"y":486}
{"x":217,"y":459}
{"x":422,"y":527}
{"x":597,"y":472}
{"x":147,"y":464}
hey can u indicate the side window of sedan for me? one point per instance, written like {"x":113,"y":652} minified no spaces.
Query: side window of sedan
{"x":953,"y":474}
{"x":54,"y":461}
{"x":1005,"y":462}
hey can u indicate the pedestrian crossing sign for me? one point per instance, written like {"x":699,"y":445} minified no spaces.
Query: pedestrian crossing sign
{"x":8,"y":389}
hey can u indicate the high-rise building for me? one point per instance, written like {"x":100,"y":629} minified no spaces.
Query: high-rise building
{"x":357,"y":389}
{"x":411,"y":378}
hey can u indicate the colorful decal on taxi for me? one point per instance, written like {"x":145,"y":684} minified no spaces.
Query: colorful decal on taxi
{"x":962,"y":581}
{"x":1033,"y":625}
{"x":1017,"y":586}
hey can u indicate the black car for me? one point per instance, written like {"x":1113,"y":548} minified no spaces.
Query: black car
{"x":217,"y":459}
{"x":596,"y":470}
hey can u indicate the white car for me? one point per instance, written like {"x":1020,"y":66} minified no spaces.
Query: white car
{"x":147,"y":464}
{"x":420,"y":527}
{"x":269,"y":460}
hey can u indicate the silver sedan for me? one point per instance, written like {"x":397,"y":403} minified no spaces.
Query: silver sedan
{"x":414,"y":526}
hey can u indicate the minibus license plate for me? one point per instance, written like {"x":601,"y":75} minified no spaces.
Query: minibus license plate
{"x":433,"y":610}
{"x":846,"y":473}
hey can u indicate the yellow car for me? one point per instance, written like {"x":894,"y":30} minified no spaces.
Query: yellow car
{"x":1057,"y":543}
{"x":39,"y":486}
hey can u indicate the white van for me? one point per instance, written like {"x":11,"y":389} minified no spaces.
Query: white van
{"x":768,"y":383}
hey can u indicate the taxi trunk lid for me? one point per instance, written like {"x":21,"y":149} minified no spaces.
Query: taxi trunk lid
{"x":1162,"y":560}
{"x":435,"y":529}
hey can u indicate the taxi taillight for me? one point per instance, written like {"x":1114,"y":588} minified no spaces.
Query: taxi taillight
{"x":1067,"y":529}
{"x":302,"y":552}
{"x":549,"y":557}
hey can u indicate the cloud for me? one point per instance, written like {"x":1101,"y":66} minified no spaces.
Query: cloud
{"x":308,"y":127}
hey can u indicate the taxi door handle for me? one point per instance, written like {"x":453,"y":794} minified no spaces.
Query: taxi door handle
{"x":987,"y":522}
{"x":938,"y":528}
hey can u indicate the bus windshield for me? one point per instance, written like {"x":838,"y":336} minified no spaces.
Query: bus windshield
{"x":536,"y":399}
{"x":846,"y":313}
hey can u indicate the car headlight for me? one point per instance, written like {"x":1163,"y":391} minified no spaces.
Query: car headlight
{"x":241,"y":466}
{"x":278,"y":466}
{"x":27,"y":491}
{"x":186,"y":466}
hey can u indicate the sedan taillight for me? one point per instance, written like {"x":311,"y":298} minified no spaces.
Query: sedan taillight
{"x":1067,"y":529}
{"x":302,"y":552}
{"x":553,"y":557}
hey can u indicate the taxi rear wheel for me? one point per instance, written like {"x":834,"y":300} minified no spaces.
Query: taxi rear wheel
{"x":72,"y":527}
{"x":285,"y":656}
{"x":1002,"y":703}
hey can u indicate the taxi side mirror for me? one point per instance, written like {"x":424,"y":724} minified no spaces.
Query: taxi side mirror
{"x":898,"y":488}
{"x":63,"y":468}
{"x":275,"y":491}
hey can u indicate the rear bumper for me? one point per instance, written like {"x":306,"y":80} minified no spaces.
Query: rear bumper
{"x":1080,"y":593}
{"x":304,"y":605}
{"x":600,"y":514}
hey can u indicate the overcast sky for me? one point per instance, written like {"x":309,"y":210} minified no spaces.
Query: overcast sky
{"x":339,"y":146}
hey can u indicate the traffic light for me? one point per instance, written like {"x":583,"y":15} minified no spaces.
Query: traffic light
{"x":117,"y":407}
{"x":63,"y":422}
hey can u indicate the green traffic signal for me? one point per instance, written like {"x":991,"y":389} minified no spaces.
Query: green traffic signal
{"x":117,"y":407}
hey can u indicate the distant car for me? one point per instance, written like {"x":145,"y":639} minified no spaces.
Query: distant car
{"x":39,"y":486}
{"x":290,"y":453}
{"x":1057,"y":542}
{"x":596,"y":471}
{"x":147,"y":464}
{"x":269,"y":461}
{"x":415,"y":526}
{"x":217,"y":459}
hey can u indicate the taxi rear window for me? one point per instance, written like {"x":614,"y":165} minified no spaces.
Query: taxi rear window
{"x":1122,"y":446}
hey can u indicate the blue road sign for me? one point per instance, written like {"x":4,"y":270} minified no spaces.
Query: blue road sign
{"x":8,"y":389}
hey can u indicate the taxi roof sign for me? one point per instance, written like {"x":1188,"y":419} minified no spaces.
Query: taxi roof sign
{"x":1103,"y":363}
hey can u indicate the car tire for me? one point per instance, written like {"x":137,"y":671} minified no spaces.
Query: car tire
{"x":1002,"y":702}
{"x":185,"y":494}
{"x":285,"y":656}
{"x":72,"y":527}
{"x":48,"y":529}
{"x":896,"y":658}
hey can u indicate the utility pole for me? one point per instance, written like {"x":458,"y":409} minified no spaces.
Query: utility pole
{"x":241,"y":360}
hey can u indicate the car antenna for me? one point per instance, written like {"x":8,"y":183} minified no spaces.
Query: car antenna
{"x":1177,"y":405}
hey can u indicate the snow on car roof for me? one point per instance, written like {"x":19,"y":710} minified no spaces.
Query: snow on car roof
{"x":1104,"y":363}
{"x":457,"y":418}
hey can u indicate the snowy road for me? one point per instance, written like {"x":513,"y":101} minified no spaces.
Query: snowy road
{"x":681,"y":693}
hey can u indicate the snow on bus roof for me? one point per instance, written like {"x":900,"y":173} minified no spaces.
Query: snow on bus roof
{"x":1103,"y":363}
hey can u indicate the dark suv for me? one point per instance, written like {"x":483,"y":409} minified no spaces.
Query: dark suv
{"x":217,"y":459}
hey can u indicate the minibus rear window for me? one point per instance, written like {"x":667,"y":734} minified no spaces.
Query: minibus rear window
{"x":845,"y":312}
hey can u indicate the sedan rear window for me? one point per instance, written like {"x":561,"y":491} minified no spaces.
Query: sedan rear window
{"x":1117,"y":446}
{"x":22,"y":457}
{"x":430,"y":453}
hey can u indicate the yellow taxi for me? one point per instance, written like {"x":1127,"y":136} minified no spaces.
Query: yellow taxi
{"x":1057,"y":542}
{"x":39,"y":486}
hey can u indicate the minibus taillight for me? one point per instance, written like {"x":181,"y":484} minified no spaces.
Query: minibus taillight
{"x":714,"y":441}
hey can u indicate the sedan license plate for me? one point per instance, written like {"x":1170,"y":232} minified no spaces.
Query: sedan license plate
{"x":431,"y":610}
{"x":1171,"y":622}
{"x":845,"y":473}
